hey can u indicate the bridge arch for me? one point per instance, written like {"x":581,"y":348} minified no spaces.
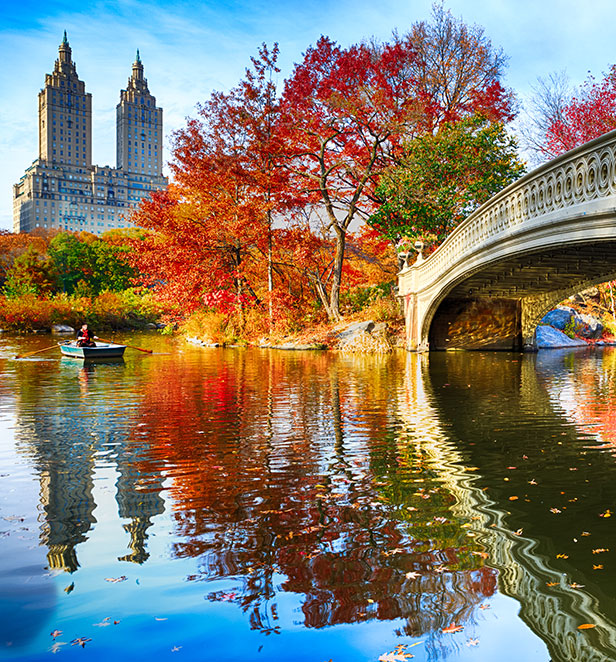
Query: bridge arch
{"x":543,"y":238}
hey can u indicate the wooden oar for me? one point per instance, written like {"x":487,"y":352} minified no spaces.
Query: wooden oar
{"x":149,"y":351}
{"x":38,"y":351}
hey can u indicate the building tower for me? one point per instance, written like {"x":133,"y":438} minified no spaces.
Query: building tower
{"x":139,"y":127}
{"x":62,"y":189}
{"x":65,"y":114}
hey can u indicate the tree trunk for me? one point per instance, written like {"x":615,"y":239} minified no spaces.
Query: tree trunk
{"x":270,"y":270}
{"x":334,"y":296}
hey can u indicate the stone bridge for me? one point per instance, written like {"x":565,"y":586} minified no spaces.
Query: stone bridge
{"x":543,"y":238}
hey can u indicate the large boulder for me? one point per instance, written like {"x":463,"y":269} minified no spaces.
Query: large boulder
{"x":560,"y":317}
{"x":355,"y":329}
{"x":589,"y":327}
{"x":548,"y":337}
{"x":62,"y":328}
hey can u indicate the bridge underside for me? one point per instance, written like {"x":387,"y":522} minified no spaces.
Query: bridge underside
{"x":499,"y":306}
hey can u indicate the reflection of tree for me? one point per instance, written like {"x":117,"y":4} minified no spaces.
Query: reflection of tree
{"x":588,"y":394}
{"x":290,"y":466}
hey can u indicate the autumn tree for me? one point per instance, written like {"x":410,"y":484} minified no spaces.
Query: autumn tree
{"x":458,"y":154}
{"x":343,"y":112}
{"x":33,"y":272}
{"x":12,"y":245}
{"x":213,"y":225}
{"x":590,"y":113}
{"x":441,"y":178}
{"x":550,"y":96}
{"x":456,"y":71}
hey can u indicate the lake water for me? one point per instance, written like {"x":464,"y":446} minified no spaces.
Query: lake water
{"x":230,"y":504}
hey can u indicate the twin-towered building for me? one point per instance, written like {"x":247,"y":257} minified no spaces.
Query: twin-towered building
{"x":62,"y":189}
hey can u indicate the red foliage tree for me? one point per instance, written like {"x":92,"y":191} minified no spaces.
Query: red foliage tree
{"x":588,"y":115}
{"x":344,"y":111}
{"x":214,"y":224}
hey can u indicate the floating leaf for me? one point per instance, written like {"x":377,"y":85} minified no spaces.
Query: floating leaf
{"x":80,"y":641}
{"x":586,"y":626}
{"x":453,"y":628}
{"x":395,"y":657}
{"x":115,"y":580}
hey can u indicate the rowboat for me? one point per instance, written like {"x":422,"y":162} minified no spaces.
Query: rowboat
{"x":100,"y":351}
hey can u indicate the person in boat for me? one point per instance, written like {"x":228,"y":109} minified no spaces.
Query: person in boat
{"x":85,"y":338}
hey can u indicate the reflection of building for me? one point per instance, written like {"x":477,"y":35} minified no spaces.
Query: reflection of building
{"x":65,"y":433}
{"x":138,"y":498}
{"x":66,"y":464}
{"x":62,"y":189}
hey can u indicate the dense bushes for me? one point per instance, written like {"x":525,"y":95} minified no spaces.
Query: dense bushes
{"x":110,"y":310}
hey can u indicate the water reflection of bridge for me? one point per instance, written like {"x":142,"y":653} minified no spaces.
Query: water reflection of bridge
{"x":552,"y":608}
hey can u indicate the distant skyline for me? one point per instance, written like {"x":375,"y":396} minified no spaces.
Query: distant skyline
{"x":190,"y":49}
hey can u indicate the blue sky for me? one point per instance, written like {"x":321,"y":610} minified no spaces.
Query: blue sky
{"x":190,"y":48}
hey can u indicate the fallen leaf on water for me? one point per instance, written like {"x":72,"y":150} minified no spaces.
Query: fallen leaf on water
{"x":395,"y":657}
{"x":453,"y":628}
{"x":551,"y":584}
{"x":576,"y":585}
{"x":513,"y":498}
{"x":585,"y":533}
{"x":104,"y":623}
{"x":518,"y":532}
{"x":484,"y":606}
{"x":562,"y":556}
{"x":607,"y":513}
{"x":115,"y":580}
{"x":555,"y":510}
{"x":600,"y":550}
{"x":597,"y":567}
{"x":69,"y":588}
{"x":412,"y":575}
{"x":472,"y":642}
{"x":159,"y":619}
{"x":586,"y":626}
{"x":484,"y":555}
{"x":80,"y":641}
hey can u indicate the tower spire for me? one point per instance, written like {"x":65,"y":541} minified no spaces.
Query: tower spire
{"x":65,"y":39}
{"x":138,"y":59}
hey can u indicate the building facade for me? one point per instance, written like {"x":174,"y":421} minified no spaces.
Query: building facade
{"x":62,"y":190}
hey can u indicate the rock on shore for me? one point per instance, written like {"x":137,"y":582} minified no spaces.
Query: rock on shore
{"x":549,"y":337}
